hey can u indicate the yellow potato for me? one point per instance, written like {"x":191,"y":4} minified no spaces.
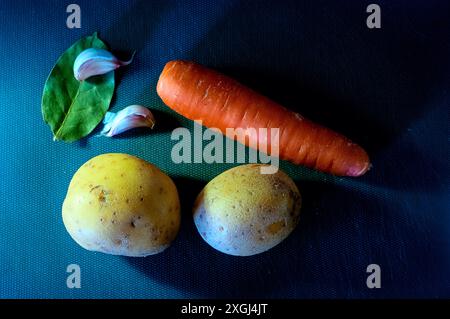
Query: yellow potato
{"x":243,"y":212}
{"x":121,"y":205}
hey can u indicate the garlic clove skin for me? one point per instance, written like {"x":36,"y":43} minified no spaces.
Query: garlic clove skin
{"x":94,"y":61}
{"x":130,"y":117}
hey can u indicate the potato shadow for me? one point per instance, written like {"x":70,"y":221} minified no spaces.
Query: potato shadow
{"x":193,"y":265}
{"x":325,"y":256}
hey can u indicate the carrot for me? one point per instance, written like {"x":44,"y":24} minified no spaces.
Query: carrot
{"x":199,"y":93}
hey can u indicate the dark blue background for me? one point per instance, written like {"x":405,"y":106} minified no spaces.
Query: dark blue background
{"x":387,"y":89}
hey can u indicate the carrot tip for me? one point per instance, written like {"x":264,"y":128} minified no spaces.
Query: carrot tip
{"x":356,"y":171}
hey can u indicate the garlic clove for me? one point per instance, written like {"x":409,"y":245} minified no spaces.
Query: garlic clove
{"x":94,"y":61}
{"x":130,"y":117}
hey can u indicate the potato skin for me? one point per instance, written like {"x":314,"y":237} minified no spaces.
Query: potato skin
{"x":121,"y":205}
{"x":242,"y":212}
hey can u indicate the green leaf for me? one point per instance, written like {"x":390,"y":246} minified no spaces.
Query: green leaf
{"x":71,"y":108}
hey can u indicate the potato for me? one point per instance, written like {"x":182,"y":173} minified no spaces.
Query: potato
{"x":243,"y":212}
{"x":122,"y":205}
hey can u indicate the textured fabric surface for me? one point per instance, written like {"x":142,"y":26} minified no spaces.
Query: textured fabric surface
{"x":387,"y":89}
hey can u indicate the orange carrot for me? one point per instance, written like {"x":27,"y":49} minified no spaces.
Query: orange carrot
{"x":199,"y":93}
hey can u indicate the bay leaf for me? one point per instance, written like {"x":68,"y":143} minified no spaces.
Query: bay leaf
{"x":71,"y":108}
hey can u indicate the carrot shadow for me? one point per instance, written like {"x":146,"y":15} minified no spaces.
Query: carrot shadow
{"x":372,"y":87}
